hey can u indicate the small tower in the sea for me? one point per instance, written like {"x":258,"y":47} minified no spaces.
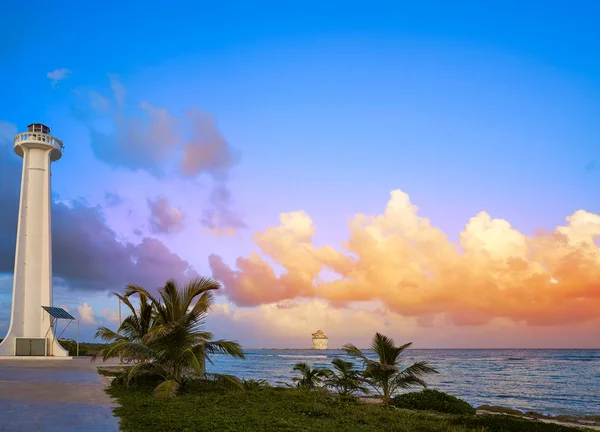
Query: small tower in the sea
{"x":319,"y":340}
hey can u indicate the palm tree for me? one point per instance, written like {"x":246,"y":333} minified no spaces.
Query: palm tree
{"x":171,"y":343}
{"x":131,"y":331}
{"x":385,"y":374}
{"x":311,"y":378}
{"x":345,"y":379}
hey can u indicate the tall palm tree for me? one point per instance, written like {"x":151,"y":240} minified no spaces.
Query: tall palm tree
{"x":310,"y":378}
{"x":384,"y":374}
{"x":173,"y":343}
{"x":345,"y":379}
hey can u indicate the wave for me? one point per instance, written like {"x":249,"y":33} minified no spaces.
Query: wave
{"x":302,"y":356}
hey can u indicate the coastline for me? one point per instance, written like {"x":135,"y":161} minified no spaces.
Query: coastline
{"x":429,"y":349}
{"x":591,"y":422}
{"x":588,"y":421}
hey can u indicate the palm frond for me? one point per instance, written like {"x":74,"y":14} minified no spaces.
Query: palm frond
{"x":107,"y":334}
{"x":406,"y":382}
{"x":227,"y":382}
{"x":352,"y":350}
{"x":166,"y":389}
{"x":164,"y":335}
{"x":189,"y":358}
{"x":419,"y":369}
{"x":231,"y":348}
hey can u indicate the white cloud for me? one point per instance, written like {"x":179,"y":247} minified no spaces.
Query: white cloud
{"x":86,"y":313}
{"x":111,"y":315}
{"x":58,"y":75}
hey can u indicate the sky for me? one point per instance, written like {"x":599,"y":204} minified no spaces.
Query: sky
{"x":429,"y":170}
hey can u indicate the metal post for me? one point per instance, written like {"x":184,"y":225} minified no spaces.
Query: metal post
{"x":77,"y":338}
{"x":119,"y":331}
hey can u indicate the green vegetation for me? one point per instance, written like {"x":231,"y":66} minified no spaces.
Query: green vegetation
{"x":344,"y":379}
{"x":164,"y":349}
{"x":311,"y":379}
{"x":385,"y":374}
{"x":252,"y":384}
{"x":202,"y":406}
{"x":164,"y":337}
{"x":85,"y":348}
{"x":432,"y":400}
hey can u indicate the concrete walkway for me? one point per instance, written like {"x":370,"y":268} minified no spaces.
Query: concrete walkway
{"x":53,"y":396}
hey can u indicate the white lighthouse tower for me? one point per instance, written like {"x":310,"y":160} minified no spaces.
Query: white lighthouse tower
{"x":31,"y":332}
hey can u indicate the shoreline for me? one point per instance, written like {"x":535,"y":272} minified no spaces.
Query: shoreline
{"x":430,"y":349}
{"x":591,"y":422}
{"x":587,"y":421}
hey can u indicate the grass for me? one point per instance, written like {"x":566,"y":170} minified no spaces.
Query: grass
{"x":203,"y":407}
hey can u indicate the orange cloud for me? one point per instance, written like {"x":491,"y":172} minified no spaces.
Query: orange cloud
{"x":400,"y":259}
{"x":290,"y":323}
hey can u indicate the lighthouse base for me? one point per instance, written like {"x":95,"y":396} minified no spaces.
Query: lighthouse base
{"x":33,"y":358}
{"x":37,"y":347}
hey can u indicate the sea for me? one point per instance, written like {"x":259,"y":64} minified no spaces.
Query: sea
{"x":551,"y":382}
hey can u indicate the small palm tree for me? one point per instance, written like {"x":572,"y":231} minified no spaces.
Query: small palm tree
{"x":345,"y":379}
{"x":311,"y":379}
{"x":385,"y":374}
{"x":169,"y":340}
{"x":131,"y":332}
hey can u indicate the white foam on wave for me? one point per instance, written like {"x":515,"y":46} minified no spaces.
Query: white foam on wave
{"x":302,"y":356}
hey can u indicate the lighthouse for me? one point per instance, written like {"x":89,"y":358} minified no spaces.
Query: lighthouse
{"x":31,"y":332}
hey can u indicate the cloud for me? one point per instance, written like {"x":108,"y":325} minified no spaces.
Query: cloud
{"x":86,"y":314}
{"x":113,"y":199}
{"x":289,"y":324}
{"x":87,"y":254}
{"x":139,"y":143}
{"x":58,"y":75}
{"x":111,"y":315}
{"x":219,"y":218}
{"x":117,"y":88}
{"x":152,"y":140}
{"x":206,"y":151}
{"x":163,"y":218}
{"x":400,"y":259}
{"x":98,"y":102}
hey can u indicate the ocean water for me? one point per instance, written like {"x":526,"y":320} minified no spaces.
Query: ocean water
{"x":546,"y":381}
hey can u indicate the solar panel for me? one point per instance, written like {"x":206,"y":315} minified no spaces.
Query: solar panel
{"x":59,"y":313}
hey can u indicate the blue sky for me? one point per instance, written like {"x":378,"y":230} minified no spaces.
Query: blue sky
{"x":326,"y":108}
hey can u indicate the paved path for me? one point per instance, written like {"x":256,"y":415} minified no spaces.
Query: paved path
{"x":53,"y":396}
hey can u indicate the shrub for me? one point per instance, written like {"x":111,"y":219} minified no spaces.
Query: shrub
{"x":253,"y":384}
{"x":432,"y":400}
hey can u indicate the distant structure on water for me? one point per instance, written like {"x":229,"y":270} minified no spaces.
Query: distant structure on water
{"x":319,"y":340}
